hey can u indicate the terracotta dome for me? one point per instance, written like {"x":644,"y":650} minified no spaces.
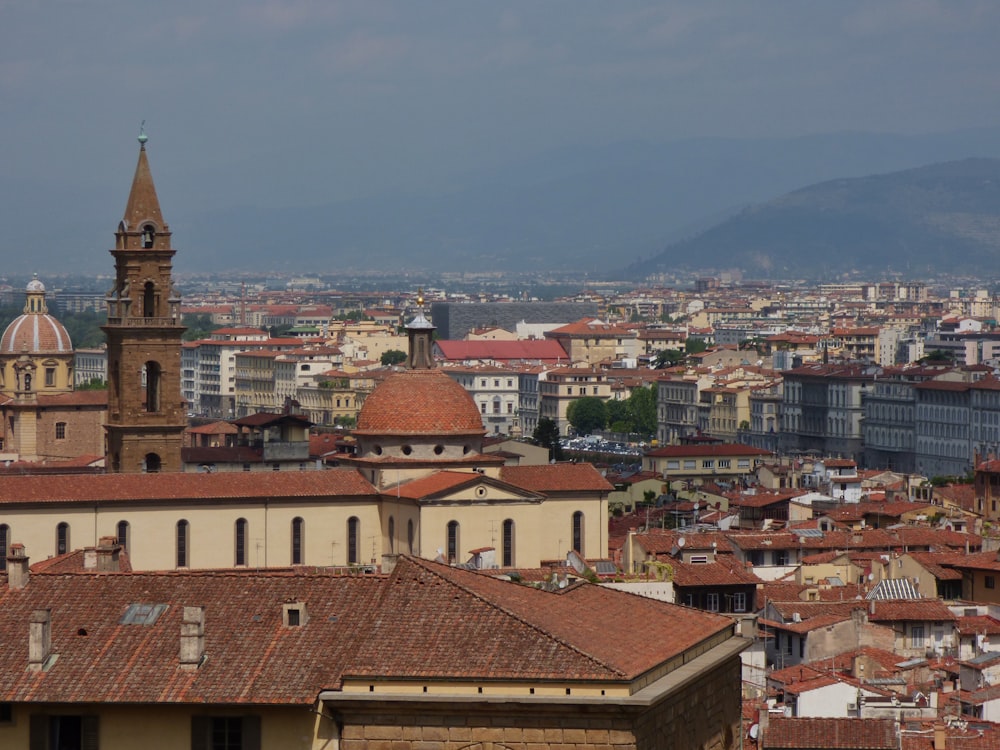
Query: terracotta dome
{"x":419,"y":402}
{"x":35,"y":332}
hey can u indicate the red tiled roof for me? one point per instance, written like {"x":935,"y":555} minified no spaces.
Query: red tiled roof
{"x":829,"y":734}
{"x":715,"y":449}
{"x":531,"y":350}
{"x":180,"y":486}
{"x":419,"y":402}
{"x":443,"y":622}
{"x":926,"y":610}
{"x":561,"y":477}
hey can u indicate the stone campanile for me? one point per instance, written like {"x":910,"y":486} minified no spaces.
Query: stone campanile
{"x":146,"y":417}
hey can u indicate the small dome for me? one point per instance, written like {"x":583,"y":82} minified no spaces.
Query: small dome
{"x":35,"y":333}
{"x":35,"y":285}
{"x":419,"y":402}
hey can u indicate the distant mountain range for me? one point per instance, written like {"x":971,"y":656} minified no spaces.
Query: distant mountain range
{"x":941,"y":217}
{"x":596,"y":209}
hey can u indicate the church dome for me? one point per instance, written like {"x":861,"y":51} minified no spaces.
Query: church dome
{"x":419,"y":402}
{"x":35,"y":331}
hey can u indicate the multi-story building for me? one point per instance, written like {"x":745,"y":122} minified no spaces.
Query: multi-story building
{"x":496,"y":392}
{"x":822,"y":409}
{"x":591,"y":341}
{"x":943,"y":435}
{"x":765,"y":417}
{"x":558,"y":388}
{"x":455,"y":320}
{"x":677,"y":404}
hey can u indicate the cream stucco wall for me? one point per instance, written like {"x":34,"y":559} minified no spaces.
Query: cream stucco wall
{"x":168,"y":727}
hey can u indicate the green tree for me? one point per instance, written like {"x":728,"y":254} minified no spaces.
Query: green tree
{"x":198,"y":327}
{"x":587,"y":414}
{"x":668,"y":358}
{"x":617,"y":415}
{"x":94,"y":384}
{"x":393,"y":357}
{"x":546,"y":434}
{"x":641,"y":410}
{"x":695,"y":346}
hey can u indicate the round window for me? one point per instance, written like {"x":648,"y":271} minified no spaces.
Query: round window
{"x":377,"y":450}
{"x":438,"y":450}
{"x":407,"y":450}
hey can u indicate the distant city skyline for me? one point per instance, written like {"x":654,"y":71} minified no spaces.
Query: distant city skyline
{"x":296,"y":104}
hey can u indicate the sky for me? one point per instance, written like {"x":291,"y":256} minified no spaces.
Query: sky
{"x":303,"y":102}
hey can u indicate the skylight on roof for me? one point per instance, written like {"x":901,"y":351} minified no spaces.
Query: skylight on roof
{"x":142,"y":614}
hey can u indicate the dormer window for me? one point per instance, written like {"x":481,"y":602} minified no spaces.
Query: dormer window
{"x":294,"y":615}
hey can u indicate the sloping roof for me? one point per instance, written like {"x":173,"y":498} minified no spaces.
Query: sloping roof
{"x":441,"y":622}
{"x":179,"y":486}
{"x":829,"y":734}
{"x":713,"y":449}
{"x":531,"y":350}
{"x":561,"y":477}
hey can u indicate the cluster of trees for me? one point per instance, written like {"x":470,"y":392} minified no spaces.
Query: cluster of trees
{"x":671,"y":357}
{"x":636,"y":414}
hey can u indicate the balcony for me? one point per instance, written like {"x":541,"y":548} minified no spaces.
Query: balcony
{"x":144,"y":322}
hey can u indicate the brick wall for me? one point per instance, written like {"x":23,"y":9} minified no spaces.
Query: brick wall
{"x":702,"y":714}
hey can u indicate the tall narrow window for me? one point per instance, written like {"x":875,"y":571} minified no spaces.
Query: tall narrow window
{"x":353,"y":542}
{"x":392,"y":535}
{"x":409,"y":536}
{"x":508,"y":543}
{"x":60,"y":430}
{"x":453,"y":541}
{"x":241,"y":541}
{"x":578,"y":532}
{"x":4,"y":545}
{"x":50,"y":377}
{"x":298,"y":527}
{"x":153,"y":374}
{"x":62,"y":538}
{"x":122,"y":534}
{"x":183,"y":534}
{"x":148,"y":300}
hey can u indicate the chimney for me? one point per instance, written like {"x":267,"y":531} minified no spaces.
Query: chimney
{"x":192,"y":637}
{"x":39,"y":639}
{"x":108,"y":550}
{"x":939,"y":736}
{"x":17,"y":567}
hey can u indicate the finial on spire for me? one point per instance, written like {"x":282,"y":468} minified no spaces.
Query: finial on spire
{"x":420,"y":298}
{"x":142,"y":134}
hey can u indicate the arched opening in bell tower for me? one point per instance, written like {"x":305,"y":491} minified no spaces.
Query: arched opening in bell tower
{"x":148,"y":235}
{"x":153,"y":375}
{"x":151,"y":463}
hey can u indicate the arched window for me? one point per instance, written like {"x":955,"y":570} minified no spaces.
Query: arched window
{"x":409,"y":536}
{"x":508,"y":543}
{"x":353,"y":541}
{"x":298,"y":529}
{"x":241,"y":541}
{"x":148,"y":233}
{"x":151,"y":463}
{"x":392,"y":535}
{"x":4,"y":545}
{"x":62,"y":538}
{"x":183,"y":539}
{"x":153,"y":375}
{"x":453,"y":542}
{"x":122,"y":534}
{"x":578,"y":531}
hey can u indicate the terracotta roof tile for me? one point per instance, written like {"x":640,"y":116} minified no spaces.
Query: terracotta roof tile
{"x":561,"y":477}
{"x":830,"y":734}
{"x":419,"y":402}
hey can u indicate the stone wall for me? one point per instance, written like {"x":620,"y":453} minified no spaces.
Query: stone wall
{"x":702,"y":714}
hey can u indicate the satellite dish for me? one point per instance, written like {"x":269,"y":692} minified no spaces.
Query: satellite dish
{"x":754,"y":731}
{"x":681,"y":542}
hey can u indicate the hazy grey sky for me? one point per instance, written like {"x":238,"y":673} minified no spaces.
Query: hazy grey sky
{"x":292,"y":101}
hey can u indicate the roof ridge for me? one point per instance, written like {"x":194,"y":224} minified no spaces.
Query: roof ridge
{"x":428,"y":566}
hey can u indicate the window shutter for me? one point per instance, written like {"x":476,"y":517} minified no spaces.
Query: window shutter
{"x":251,"y":733}
{"x":89,"y":733}
{"x":38,"y":732}
{"x":200,"y":730}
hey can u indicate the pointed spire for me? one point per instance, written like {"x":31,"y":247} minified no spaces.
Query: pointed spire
{"x":143,"y":205}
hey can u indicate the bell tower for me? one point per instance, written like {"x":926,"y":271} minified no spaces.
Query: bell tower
{"x":145,"y":408}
